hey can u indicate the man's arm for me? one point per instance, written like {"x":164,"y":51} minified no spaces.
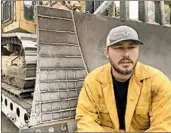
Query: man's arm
{"x":160,"y":114}
{"x":87,"y":114}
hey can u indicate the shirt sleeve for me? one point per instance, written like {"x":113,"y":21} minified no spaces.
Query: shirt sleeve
{"x":160,"y":112}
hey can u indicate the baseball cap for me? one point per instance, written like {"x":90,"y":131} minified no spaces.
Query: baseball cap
{"x":122,"y":33}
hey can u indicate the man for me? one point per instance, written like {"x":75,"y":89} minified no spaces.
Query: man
{"x":124,"y":95}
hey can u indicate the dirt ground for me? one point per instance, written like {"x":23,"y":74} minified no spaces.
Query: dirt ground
{"x":7,"y":125}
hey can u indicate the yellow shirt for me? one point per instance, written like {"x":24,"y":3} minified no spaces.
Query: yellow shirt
{"x":148,"y":102}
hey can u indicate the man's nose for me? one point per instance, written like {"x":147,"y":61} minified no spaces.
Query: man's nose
{"x":126,"y":52}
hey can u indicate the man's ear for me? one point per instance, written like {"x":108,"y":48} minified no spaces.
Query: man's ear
{"x":106,"y":52}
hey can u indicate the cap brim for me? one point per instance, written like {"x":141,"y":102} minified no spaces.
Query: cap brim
{"x":137,"y":41}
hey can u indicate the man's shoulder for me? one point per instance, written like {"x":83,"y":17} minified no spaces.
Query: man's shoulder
{"x":96,"y":72}
{"x":150,"y":71}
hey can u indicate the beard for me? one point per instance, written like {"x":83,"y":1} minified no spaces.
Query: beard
{"x":123,"y":72}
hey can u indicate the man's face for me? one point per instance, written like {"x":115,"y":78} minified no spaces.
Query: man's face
{"x":123,"y":56}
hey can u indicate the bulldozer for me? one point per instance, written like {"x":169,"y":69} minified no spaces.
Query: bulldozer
{"x":48,"y":48}
{"x":19,"y":42}
{"x":19,"y":56}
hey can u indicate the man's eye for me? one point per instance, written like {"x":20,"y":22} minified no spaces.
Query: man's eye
{"x":131,"y":47}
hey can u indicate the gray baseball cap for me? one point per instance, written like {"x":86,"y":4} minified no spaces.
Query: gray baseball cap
{"x":122,"y":33}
